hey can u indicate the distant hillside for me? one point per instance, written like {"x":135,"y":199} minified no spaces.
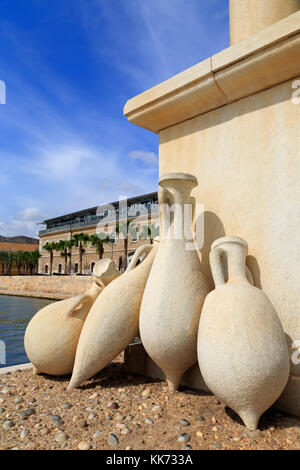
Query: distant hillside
{"x":20,"y":239}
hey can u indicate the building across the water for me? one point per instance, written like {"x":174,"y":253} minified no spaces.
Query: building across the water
{"x":141,"y":211}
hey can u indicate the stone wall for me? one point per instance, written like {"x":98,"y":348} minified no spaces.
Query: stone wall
{"x":54,"y":286}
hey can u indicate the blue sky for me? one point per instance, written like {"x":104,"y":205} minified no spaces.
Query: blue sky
{"x":69,"y":67}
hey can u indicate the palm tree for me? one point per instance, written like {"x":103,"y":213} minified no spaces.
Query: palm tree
{"x":19,"y":259}
{"x":3,"y":261}
{"x":50,"y":247}
{"x":64,"y":246}
{"x":81,"y":240}
{"x":98,"y":240}
{"x":122,"y":229}
{"x":34,"y":261}
{"x":149,"y":232}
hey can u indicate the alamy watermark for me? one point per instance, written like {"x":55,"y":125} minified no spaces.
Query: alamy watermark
{"x":296,"y":93}
{"x":2,"y":352}
{"x":179,"y":222}
{"x":2,"y":92}
{"x":295,"y":358}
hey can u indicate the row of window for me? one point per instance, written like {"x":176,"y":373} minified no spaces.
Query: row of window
{"x":76,"y":267}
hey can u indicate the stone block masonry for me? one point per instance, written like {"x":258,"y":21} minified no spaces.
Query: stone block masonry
{"x":53,"y":287}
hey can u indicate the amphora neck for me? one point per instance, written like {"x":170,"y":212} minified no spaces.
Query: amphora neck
{"x":235,"y":250}
{"x":176,"y":205}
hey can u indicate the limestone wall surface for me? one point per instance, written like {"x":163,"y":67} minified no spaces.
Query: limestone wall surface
{"x":60,"y":286}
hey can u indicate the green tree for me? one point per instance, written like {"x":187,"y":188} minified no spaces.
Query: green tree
{"x":19,"y":259}
{"x":34,"y":257}
{"x":124,"y":229}
{"x":3,"y":261}
{"x":98,"y":241}
{"x":81,"y":240}
{"x":50,"y":247}
{"x":65,"y":249}
{"x":149,"y":232}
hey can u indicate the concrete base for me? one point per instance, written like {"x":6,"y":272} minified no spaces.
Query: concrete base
{"x":138,"y":362}
{"x":8,"y":370}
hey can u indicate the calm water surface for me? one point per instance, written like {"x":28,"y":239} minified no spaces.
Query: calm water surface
{"x":15,"y":314}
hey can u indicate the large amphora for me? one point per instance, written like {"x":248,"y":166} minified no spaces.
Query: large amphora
{"x":242,"y":349}
{"x":113,"y":321}
{"x":176,"y":287}
{"x":52,"y":335}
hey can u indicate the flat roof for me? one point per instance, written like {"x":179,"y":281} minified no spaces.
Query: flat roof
{"x":94,"y":209}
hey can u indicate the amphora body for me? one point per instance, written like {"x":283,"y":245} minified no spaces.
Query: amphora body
{"x":242,"y":350}
{"x":176,"y":287}
{"x":52,"y":334}
{"x":113,"y":321}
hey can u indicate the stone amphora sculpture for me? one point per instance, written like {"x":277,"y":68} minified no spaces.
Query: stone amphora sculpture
{"x":242,"y":350}
{"x":52,"y":334}
{"x":105,"y":271}
{"x":113,"y":321}
{"x":176,"y":288}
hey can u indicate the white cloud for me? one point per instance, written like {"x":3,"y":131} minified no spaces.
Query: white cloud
{"x":149,"y":158}
{"x":130,"y":188}
{"x":30,"y":214}
{"x":24,"y":222}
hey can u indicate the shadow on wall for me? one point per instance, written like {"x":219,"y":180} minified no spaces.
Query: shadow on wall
{"x":214,"y":229}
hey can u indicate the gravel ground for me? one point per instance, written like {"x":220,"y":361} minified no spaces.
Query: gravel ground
{"x":118,"y":411}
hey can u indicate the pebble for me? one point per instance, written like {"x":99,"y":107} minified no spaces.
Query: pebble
{"x":44,"y":431}
{"x":82,"y":423}
{"x":26,"y":413}
{"x":24,"y":433}
{"x":187,"y":447}
{"x":157,"y":409}
{"x":184,"y":422}
{"x":236,"y":439}
{"x":199,"y":434}
{"x":148,"y":421}
{"x":216,"y":446}
{"x":84,"y":445}
{"x":68,"y":406}
{"x":114,"y":406}
{"x":128,"y":448}
{"x":125,"y":431}
{"x":112,"y":440}
{"x":8,"y":424}
{"x":98,"y":434}
{"x":61,"y":436}
{"x":57,"y":421}
{"x":92,"y":397}
{"x":213,"y":420}
{"x":2,"y":410}
{"x":215,"y":428}
{"x":5,"y":390}
{"x":146,"y":393}
{"x":92,"y":416}
{"x":200,"y":418}
{"x":19,"y":400}
{"x":121,"y":426}
{"x":184,"y":437}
